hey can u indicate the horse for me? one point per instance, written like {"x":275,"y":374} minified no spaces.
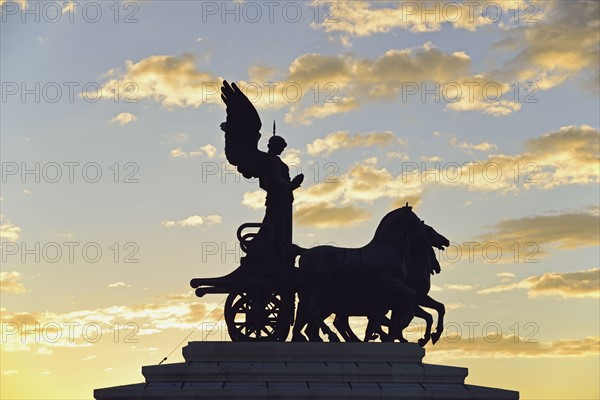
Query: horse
{"x":374,"y":330}
{"x":335,"y":277}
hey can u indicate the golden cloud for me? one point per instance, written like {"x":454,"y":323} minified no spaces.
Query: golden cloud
{"x":255,"y":199}
{"x":174,"y":81}
{"x":566,"y":156}
{"x":22,"y":329}
{"x":497,"y":346}
{"x":333,"y":84}
{"x":124,"y":118}
{"x":194,"y":220}
{"x":567,"y":230}
{"x":558,"y":40}
{"x":8,"y":231}
{"x":363,"y":182}
{"x":323,"y":215}
{"x":304,"y":116}
{"x":9,"y":282}
{"x":483,"y":146}
{"x":566,"y":284}
{"x":564,"y":43}
{"x":208,"y":150}
{"x":292,"y":157}
{"x":365,"y":18}
{"x":344,"y":140}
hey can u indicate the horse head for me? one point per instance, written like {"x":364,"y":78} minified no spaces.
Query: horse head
{"x":403,"y":223}
{"x":435,"y":239}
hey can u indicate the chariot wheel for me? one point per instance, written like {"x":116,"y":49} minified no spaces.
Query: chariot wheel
{"x":257,"y":311}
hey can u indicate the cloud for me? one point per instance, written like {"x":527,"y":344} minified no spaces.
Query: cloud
{"x":313,"y":86}
{"x":566,"y":284}
{"x":143,"y":319}
{"x":69,"y":7}
{"x":8,"y":231}
{"x":44,"y":351}
{"x":509,"y":346}
{"x":526,"y":239}
{"x":563,"y":157}
{"x":193,"y":221}
{"x":505,"y":274}
{"x":365,"y":18}
{"x":344,"y":140}
{"x":291,"y":157}
{"x":177,"y":137}
{"x":124,"y":118}
{"x":174,"y":81}
{"x":208,"y":150}
{"x":255,"y":199}
{"x":567,"y":230}
{"x":483,"y":146}
{"x":572,"y":27}
{"x":305,"y":116}
{"x":564,"y":43}
{"x":118,"y":284}
{"x":10,"y":372}
{"x":316,"y":86}
{"x":363,"y":182}
{"x":322,"y":215}
{"x":462,"y":288}
{"x":407,"y":74}
{"x":9,"y":282}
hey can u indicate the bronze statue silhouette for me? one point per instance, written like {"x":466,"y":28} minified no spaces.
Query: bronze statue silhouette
{"x":392,"y":272}
{"x":241,"y":149}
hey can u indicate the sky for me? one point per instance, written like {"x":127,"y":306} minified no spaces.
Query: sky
{"x":115,"y":190}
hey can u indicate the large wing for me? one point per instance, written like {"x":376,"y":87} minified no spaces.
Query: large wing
{"x":241,"y":132}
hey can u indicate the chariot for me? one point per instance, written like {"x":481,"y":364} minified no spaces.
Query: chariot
{"x":261,"y":294}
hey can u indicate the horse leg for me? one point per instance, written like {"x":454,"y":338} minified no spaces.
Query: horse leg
{"x":343,"y":327}
{"x":374,"y":327}
{"x":315,"y":318}
{"x":429,"y":321}
{"x":301,"y":321}
{"x":333,"y":337}
{"x":401,"y":318}
{"x":428,"y":302}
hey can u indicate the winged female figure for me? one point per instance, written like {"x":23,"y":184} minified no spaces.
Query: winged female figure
{"x":242,"y":133}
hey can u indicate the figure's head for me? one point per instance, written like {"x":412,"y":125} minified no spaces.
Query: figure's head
{"x":276,"y":145}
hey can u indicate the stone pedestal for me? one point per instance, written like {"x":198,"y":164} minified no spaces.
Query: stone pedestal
{"x":245,"y":370}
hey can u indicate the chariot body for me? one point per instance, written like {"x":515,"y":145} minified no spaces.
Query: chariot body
{"x":261,"y":293}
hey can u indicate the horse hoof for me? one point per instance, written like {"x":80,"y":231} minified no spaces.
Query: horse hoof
{"x":401,"y":339}
{"x":386,"y":338}
{"x":372,"y":338}
{"x":435,"y":337}
{"x":422,"y":342}
{"x":299,"y":338}
{"x":333,"y":338}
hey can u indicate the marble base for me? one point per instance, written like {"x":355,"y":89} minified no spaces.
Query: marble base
{"x":247,"y":370}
